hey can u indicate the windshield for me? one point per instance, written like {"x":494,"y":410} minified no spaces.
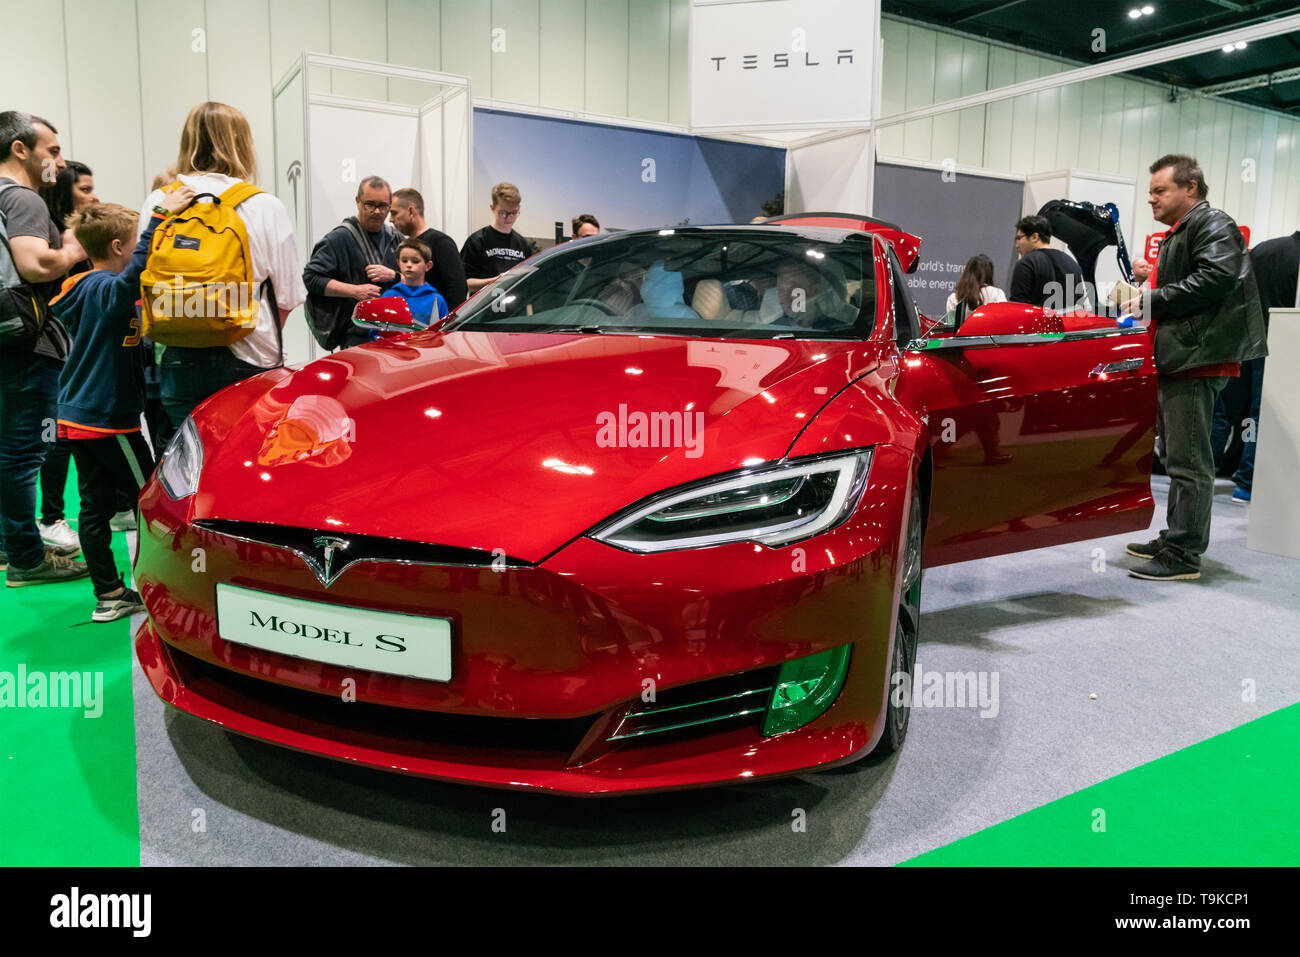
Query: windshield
{"x":716,"y":283}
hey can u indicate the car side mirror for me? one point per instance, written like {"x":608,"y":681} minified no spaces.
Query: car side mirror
{"x":386,"y":314}
{"x":1010,"y":319}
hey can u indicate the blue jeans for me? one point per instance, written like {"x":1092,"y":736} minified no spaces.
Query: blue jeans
{"x":1186,"y":411}
{"x":188,"y":376}
{"x":1243,"y":392}
{"x":29,"y":408}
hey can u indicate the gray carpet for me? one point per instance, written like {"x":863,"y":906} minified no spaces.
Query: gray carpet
{"x":1166,"y":662}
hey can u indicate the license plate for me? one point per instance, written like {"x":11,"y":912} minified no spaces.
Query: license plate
{"x":383,"y":641}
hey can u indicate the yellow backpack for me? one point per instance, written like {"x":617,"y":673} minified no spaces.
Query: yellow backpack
{"x":197,"y":286}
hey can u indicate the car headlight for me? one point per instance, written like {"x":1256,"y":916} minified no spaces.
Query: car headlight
{"x":773,"y":505}
{"x":182,"y":462}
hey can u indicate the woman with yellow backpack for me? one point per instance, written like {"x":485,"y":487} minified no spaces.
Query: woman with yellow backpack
{"x":223,"y":274}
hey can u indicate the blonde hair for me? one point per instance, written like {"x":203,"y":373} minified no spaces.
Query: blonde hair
{"x":97,"y":225}
{"x":505,"y":193}
{"x":162,"y":179}
{"x":217,"y":139}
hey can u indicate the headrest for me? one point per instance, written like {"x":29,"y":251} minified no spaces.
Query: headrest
{"x":710,"y":301}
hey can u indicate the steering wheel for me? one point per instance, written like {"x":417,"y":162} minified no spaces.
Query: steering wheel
{"x":604,"y":307}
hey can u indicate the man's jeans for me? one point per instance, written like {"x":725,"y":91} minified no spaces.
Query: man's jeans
{"x":188,"y":376}
{"x":1186,"y":418}
{"x":29,"y":406}
{"x":1245,"y":391}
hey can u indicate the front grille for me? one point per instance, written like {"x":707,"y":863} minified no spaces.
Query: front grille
{"x":384,"y":727}
{"x":358,"y":548}
{"x":700,"y":708}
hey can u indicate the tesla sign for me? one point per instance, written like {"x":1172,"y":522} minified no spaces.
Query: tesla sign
{"x":782,"y":64}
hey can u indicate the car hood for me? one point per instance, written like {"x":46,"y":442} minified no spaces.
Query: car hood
{"x":511,"y":441}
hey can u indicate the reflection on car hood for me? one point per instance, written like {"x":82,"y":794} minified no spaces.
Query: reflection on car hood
{"x":515,"y":441}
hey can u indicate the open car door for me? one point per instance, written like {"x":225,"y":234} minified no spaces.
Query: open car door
{"x":1038,"y":435}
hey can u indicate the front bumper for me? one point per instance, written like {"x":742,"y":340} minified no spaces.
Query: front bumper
{"x":546,"y":659}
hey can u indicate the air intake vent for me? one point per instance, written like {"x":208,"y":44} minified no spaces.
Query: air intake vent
{"x":738,"y":698}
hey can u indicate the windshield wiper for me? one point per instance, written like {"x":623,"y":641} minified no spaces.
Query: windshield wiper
{"x":580,"y":330}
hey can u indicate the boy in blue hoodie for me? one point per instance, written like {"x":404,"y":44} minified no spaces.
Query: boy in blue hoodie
{"x":414,"y":259}
{"x":101,"y":388}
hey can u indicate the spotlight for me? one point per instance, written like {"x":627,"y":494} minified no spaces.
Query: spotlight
{"x":1227,"y":48}
{"x":1240,"y":44}
{"x":1134,"y":14}
{"x":1148,"y":9}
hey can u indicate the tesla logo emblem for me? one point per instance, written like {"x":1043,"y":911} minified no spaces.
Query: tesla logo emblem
{"x":323,"y":564}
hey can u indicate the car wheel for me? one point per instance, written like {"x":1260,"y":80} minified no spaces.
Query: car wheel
{"x":906,"y":636}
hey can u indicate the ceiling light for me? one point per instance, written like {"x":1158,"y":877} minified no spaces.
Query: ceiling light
{"x":1134,"y":14}
{"x":1148,"y":9}
{"x":1240,"y":44}
{"x":1227,"y":48}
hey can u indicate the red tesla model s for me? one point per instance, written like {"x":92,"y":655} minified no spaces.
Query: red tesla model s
{"x":649,"y":512}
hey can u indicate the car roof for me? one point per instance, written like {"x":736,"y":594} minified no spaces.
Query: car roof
{"x":824,"y":234}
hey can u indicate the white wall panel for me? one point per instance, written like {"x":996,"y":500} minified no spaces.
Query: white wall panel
{"x":467,"y":42}
{"x":649,"y":29}
{"x":607,"y":57}
{"x":920,"y":77}
{"x":34,"y":68}
{"x":679,"y":74}
{"x":180,"y":73}
{"x":105,"y":115}
{"x":515,"y":50}
{"x":414,"y":39}
{"x":239,"y":73}
{"x":359,"y":29}
{"x":563,"y":54}
{"x":297,"y":27}
{"x":893,"y":88}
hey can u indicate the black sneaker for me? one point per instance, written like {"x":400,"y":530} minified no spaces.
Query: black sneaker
{"x":55,"y":568}
{"x":1147,"y":550}
{"x":111,"y":609}
{"x":1165,"y":568}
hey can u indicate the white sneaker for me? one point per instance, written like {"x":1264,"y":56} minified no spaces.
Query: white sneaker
{"x":60,"y":537}
{"x":123,"y":521}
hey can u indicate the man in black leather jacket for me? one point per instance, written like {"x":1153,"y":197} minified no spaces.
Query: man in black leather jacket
{"x":1208,"y":320}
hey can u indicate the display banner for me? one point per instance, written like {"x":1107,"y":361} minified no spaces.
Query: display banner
{"x":957,"y":216}
{"x":782,"y":64}
{"x":628,"y":178}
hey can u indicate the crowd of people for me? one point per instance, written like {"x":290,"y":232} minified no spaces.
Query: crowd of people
{"x":80,"y":374}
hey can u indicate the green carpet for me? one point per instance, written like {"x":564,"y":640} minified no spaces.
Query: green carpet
{"x":67,"y":781}
{"x":1228,"y":801}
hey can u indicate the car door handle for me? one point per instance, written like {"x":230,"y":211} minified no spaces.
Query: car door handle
{"x":1104,"y":370}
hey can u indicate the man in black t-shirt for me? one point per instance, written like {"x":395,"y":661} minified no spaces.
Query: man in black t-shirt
{"x":1044,"y":276}
{"x":494,"y":249}
{"x":29,"y":377}
{"x":448,"y":272}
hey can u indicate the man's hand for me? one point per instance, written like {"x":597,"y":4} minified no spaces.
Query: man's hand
{"x":377,"y":273}
{"x":366,"y":291}
{"x":177,"y":199}
{"x":71,"y":248}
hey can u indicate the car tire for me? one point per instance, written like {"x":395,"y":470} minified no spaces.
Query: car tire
{"x":907,"y":634}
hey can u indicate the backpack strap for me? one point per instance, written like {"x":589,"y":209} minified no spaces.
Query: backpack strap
{"x":368,"y":253}
{"x":237,"y":194}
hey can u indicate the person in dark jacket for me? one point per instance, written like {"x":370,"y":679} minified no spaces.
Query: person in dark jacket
{"x":354,"y":261}
{"x":1208,"y":321}
{"x":1044,"y":276}
{"x":1277,"y":268}
{"x":101,"y":388}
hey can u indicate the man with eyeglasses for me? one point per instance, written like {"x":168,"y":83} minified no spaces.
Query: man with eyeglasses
{"x":354,"y":261}
{"x":494,"y":249}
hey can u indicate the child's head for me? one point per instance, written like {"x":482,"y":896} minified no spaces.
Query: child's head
{"x":505,"y":206}
{"x":106,"y":232}
{"x":414,"y":259}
